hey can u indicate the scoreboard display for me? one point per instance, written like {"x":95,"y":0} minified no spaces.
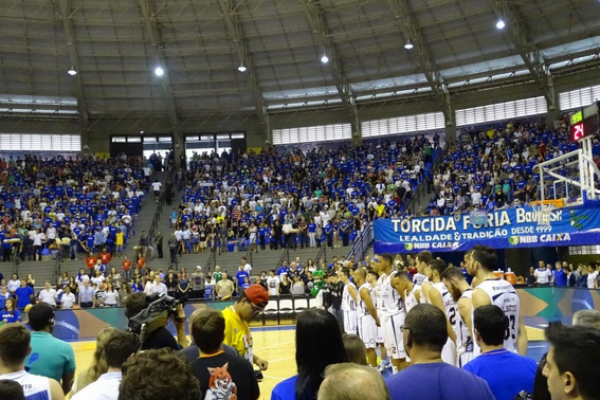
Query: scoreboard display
{"x":584,"y":122}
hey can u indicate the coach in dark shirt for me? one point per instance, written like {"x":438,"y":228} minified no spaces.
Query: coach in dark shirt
{"x":220,"y":373}
{"x":160,"y":338}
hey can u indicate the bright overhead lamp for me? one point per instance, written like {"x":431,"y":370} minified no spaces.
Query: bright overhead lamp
{"x":324,"y":59}
{"x":409,"y":45}
{"x":500,"y":24}
{"x":159,"y":71}
{"x":72,"y":71}
{"x":242,"y":68}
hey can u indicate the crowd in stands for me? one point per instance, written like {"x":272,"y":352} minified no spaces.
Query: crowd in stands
{"x":493,"y":168}
{"x":67,"y":208}
{"x":304,"y":199}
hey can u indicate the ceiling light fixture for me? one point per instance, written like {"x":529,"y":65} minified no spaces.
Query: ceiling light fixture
{"x":242,"y":68}
{"x":72,"y":71}
{"x":500,"y":24}
{"x":324,"y":59}
{"x":159,"y":71}
{"x":409,"y":45}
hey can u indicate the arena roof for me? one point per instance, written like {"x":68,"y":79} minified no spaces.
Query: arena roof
{"x":115,"y":46}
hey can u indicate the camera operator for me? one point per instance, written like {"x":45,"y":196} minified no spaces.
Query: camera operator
{"x":161,"y":337}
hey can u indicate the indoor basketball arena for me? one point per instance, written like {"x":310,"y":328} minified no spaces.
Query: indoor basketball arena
{"x":299,"y":199}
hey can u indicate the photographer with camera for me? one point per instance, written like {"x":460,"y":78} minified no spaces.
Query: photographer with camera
{"x":148,"y":316}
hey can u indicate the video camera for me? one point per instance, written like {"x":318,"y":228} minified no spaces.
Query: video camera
{"x":154,"y":316}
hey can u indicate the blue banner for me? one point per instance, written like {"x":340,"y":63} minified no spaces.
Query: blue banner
{"x":500,"y":229}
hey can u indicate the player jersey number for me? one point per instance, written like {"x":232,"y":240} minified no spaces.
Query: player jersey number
{"x":452,"y":316}
{"x":511,"y":328}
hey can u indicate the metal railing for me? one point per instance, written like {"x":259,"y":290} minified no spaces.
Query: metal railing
{"x":286,"y":253}
{"x":362,"y":243}
{"x":323,"y":251}
{"x":210,"y":262}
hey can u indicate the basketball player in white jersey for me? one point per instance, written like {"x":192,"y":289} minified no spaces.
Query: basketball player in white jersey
{"x":273,"y":283}
{"x":481,"y":262}
{"x":349,"y":298}
{"x":408,"y":290}
{"x":368,"y":321}
{"x":422,"y":263}
{"x":15,"y":346}
{"x":462,"y":293}
{"x":440,"y":297}
{"x":392,"y":312}
{"x":372,"y":279}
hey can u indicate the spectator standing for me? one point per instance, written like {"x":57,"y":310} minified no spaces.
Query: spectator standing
{"x":221,"y":374}
{"x":312,"y":356}
{"x":50,"y":357}
{"x":10,"y":314}
{"x":15,"y":342}
{"x":118,"y":348}
{"x":559,"y":275}
{"x":225,"y":287}
{"x":592,"y":275}
{"x":428,"y":377}
{"x":86,"y":295}
{"x":4,"y":295}
{"x":197,"y":283}
{"x":25,"y":295}
{"x":506,"y":373}
{"x":237,"y":317}
{"x":48,"y":295}
{"x":98,"y":365}
{"x":67,"y":299}
{"x":530,"y":277}
{"x":542,"y":275}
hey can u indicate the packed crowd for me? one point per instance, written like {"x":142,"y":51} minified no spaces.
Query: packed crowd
{"x":493,"y":168}
{"x":304,"y":199}
{"x":67,"y":208}
{"x":564,"y":274}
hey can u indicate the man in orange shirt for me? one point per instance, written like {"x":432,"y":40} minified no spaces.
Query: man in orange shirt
{"x":91,"y":261}
{"x":126,"y":267}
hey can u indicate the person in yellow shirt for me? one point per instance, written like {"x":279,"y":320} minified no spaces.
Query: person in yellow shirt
{"x":119,"y":241}
{"x":237,"y":318}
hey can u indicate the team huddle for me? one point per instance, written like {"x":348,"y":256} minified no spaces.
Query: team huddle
{"x":376,"y":304}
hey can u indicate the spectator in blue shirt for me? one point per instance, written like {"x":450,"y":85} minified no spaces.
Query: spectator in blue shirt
{"x":429,"y":377}
{"x":3,"y":296}
{"x":10,"y":314}
{"x":24,"y":295}
{"x":559,"y":274}
{"x":240,"y":276}
{"x":507,"y":373}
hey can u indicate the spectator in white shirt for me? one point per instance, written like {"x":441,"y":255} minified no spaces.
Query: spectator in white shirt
{"x":592,"y":276}
{"x":542,"y":274}
{"x":159,"y":287}
{"x":118,"y":348}
{"x":244,"y":263}
{"x":48,"y":295}
{"x":156,"y":185}
{"x":67,"y":300}
{"x":476,"y":197}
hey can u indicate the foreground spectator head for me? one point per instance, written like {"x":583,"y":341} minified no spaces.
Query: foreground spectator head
{"x":355,"y":349}
{"x":313,"y":356}
{"x":490,"y":324}
{"x":41,"y":318}
{"x":351,"y":381}
{"x":158,"y":375}
{"x":572,"y":362}
{"x":425,"y":330}
{"x":11,"y":390}
{"x":98,"y":366}
{"x":587,"y":318}
{"x":208,"y":329}
{"x":15,"y":342}
{"x":119,"y":347}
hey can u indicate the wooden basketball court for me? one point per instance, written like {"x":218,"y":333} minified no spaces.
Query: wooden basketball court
{"x":274,"y":344}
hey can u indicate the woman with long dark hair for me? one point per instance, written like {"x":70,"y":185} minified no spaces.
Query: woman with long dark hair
{"x":312,"y":356}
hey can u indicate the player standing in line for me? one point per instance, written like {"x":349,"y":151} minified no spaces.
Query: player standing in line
{"x":392,"y":311}
{"x":422,"y":262}
{"x":481,"y":262}
{"x":368,"y":321}
{"x":349,"y":298}
{"x":440,"y":297}
{"x":409,"y":291}
{"x":462,"y":293}
{"x":372,"y":278}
